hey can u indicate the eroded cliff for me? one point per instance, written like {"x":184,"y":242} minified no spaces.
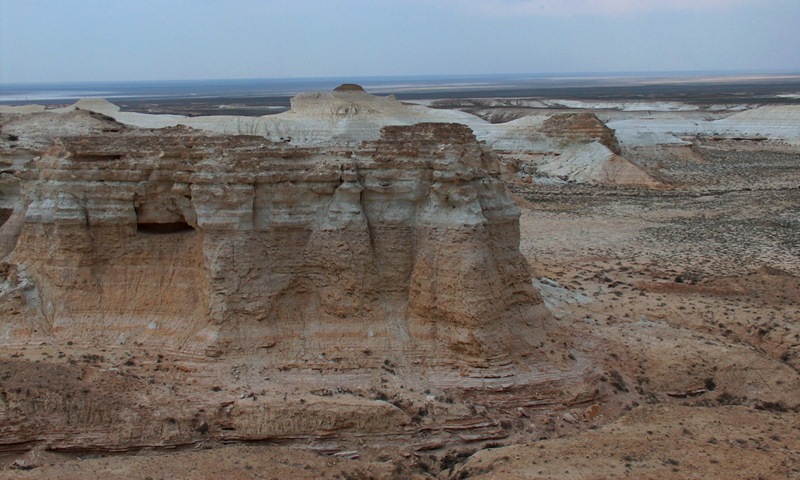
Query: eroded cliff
{"x":276,"y":269}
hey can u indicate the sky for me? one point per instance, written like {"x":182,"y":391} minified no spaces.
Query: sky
{"x":129,"y":40}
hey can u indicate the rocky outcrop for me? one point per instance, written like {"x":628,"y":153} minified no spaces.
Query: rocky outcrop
{"x":406,"y":247}
{"x":38,"y":131}
{"x":349,"y":87}
{"x":580,"y":127}
{"x":182,"y":286}
{"x":348,"y":116}
{"x":575,"y":147}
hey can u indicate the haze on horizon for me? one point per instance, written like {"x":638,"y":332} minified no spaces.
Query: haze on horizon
{"x":115,"y":40}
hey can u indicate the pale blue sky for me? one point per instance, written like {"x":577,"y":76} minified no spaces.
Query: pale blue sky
{"x":85,"y":40}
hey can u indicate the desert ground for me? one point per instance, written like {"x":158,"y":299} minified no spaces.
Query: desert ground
{"x":684,"y":292}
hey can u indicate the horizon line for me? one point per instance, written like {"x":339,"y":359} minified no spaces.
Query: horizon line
{"x":645,"y":74}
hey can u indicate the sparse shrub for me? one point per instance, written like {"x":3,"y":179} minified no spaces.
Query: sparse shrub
{"x":381,"y":396}
{"x":710,"y":384}
{"x":617,"y":381}
{"x":726,"y":398}
{"x":451,"y":459}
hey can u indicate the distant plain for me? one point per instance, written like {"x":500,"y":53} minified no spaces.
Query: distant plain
{"x":256,"y":97}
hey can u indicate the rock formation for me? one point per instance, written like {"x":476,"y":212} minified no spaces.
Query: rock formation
{"x":580,"y":127}
{"x":316,"y":267}
{"x":773,"y":122}
{"x":576,"y":147}
{"x":407,"y":244}
{"x":348,"y":116}
{"x":177,"y":287}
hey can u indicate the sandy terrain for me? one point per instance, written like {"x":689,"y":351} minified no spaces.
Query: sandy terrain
{"x":697,"y":291}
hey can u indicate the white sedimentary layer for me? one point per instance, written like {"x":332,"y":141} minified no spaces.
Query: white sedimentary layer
{"x":775,"y":122}
{"x":318,"y":118}
{"x":347,"y":118}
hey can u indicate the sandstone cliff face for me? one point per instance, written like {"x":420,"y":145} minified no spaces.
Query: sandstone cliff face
{"x":167,"y":287}
{"x":406,"y":247}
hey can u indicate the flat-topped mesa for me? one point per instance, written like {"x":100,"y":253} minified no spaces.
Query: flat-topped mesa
{"x":403,"y":248}
{"x":349,"y":87}
{"x":577,"y":127}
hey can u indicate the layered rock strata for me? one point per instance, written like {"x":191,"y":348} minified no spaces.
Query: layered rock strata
{"x":348,"y":116}
{"x":171,"y":287}
{"x":405,"y":247}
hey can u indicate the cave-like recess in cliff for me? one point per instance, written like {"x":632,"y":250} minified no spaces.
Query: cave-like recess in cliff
{"x":163,"y":228}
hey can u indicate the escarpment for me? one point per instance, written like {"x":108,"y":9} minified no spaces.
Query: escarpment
{"x":165,"y":287}
{"x":406,"y":246}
